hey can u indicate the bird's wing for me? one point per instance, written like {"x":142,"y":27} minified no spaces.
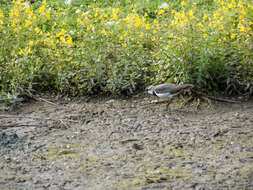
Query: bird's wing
{"x":166,"y":89}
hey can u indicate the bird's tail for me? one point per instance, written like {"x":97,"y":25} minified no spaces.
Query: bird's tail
{"x":186,"y":86}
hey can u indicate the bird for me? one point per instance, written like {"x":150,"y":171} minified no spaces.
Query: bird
{"x":167,"y":91}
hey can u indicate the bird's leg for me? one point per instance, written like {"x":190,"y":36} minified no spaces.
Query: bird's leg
{"x":167,"y":106}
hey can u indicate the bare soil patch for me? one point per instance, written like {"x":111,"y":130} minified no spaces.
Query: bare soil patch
{"x":126,"y":144}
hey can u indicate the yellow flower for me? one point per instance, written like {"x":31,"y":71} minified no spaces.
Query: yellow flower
{"x":1,"y":15}
{"x":232,"y":36}
{"x":204,"y":35}
{"x":183,"y":16}
{"x":31,"y":43}
{"x":20,"y":52}
{"x":154,"y":31}
{"x":241,"y":27}
{"x":224,"y":8}
{"x":230,"y":5}
{"x":153,"y":39}
{"x":224,"y":38}
{"x":137,"y":21}
{"x":172,"y":12}
{"x":51,"y":43}
{"x":172,"y":24}
{"x":62,"y":39}
{"x":191,"y":15}
{"x":103,"y":32}
{"x":128,"y":19}
{"x":79,"y":21}
{"x":114,"y":16}
{"x":125,"y":34}
{"x":42,"y":9}
{"x":27,"y":24}
{"x":240,"y":4}
{"x":200,"y":25}
{"x":37,"y":29}
{"x":243,"y":12}
{"x":27,"y":10}
{"x":160,"y":12}
{"x":61,"y":33}
{"x":147,"y":26}
{"x":121,"y":38}
{"x":48,"y":15}
{"x":215,"y":15}
{"x":29,"y":51}
{"x":183,"y":3}
{"x":88,"y":28}
{"x":115,"y":10}
{"x":69,"y":41}
{"x":171,"y":36}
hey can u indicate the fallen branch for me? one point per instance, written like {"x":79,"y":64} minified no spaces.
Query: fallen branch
{"x":41,"y":99}
{"x":201,"y":94}
{"x":31,"y":96}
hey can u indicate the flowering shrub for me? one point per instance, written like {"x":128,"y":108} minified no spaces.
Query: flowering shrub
{"x":208,"y":47}
{"x":120,"y":49}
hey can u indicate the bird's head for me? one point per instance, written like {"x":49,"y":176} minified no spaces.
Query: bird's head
{"x":150,"y":89}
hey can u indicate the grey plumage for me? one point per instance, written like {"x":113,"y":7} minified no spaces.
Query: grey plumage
{"x":167,"y":90}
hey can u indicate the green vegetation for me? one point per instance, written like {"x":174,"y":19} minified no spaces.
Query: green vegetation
{"x":121,"y":47}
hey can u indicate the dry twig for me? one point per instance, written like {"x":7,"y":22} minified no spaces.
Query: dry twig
{"x":205,"y":96}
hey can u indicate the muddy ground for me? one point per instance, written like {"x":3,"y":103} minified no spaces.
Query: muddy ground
{"x":107,"y":144}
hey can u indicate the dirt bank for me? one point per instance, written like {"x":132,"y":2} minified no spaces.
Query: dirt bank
{"x":126,"y":144}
